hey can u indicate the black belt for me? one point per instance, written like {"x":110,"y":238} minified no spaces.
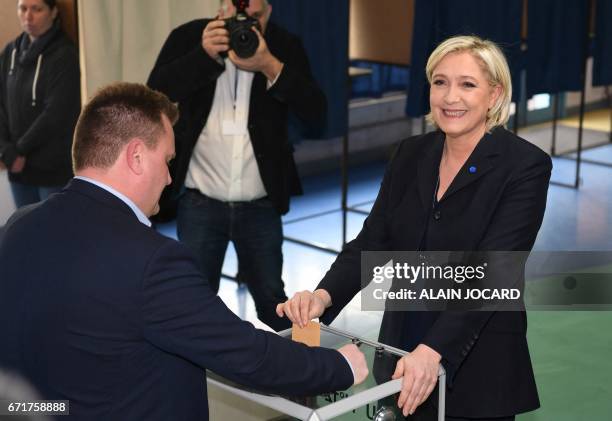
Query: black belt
{"x":230,"y":202}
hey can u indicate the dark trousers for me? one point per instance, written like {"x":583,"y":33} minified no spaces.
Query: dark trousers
{"x":427,"y":411}
{"x":430,"y":413}
{"x":24,"y":194}
{"x":207,"y":225}
{"x":481,"y":419}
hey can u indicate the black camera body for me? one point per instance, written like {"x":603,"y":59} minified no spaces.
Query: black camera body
{"x":243,"y":40}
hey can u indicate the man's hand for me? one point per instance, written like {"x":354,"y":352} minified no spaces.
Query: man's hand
{"x":304,"y":306}
{"x":215,"y":38}
{"x":18,"y":164}
{"x":262,"y":61}
{"x":420,"y":372}
{"x":357,"y":361}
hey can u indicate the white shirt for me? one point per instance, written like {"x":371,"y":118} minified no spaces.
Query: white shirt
{"x":223,"y":164}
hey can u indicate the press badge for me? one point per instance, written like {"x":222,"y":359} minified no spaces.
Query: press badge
{"x":232,"y":128}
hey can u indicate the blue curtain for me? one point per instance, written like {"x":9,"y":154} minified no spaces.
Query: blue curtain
{"x":436,"y":20}
{"x":555,"y":45}
{"x":322,"y":25}
{"x":602,"y":48}
{"x":384,"y":78}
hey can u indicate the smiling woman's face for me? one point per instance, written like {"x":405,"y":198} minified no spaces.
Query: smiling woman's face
{"x":460,"y":96}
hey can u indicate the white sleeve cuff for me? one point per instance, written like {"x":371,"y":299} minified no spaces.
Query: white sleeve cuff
{"x":271,"y":83}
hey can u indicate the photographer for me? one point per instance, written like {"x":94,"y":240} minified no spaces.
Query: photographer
{"x":234,"y":170}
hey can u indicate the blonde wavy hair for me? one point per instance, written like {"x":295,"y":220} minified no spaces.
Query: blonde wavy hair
{"x":494,"y":65}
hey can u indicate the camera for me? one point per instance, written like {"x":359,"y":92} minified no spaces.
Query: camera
{"x":243,"y":40}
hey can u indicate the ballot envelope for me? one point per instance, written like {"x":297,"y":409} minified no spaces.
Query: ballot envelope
{"x":375,"y":398}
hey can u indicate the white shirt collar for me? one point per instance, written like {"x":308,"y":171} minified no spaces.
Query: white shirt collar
{"x":139,"y":214}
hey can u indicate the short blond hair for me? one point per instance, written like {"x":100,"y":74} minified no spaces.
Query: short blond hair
{"x":493,"y":63}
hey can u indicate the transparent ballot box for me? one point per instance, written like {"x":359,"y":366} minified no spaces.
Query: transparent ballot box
{"x":374,"y":399}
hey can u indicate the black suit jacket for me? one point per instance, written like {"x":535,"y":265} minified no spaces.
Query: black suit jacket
{"x":188,"y":75}
{"x":103,"y":311}
{"x":498,"y":208}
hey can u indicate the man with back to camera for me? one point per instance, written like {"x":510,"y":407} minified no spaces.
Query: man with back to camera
{"x":233,"y":155}
{"x":99,"y":309}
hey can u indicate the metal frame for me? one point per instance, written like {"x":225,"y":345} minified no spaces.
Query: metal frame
{"x":578,"y":157}
{"x":344,"y":164}
{"x":568,"y":155}
{"x":342,"y":406}
{"x":553,"y":144}
{"x":344,"y":181}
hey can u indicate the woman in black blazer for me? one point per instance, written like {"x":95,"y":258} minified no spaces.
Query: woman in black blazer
{"x":470,"y":185}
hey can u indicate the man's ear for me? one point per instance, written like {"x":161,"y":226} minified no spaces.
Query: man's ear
{"x":134,"y":155}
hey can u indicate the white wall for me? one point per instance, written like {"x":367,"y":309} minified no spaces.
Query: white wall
{"x":120,"y":40}
{"x":9,"y":29}
{"x":7,"y":207}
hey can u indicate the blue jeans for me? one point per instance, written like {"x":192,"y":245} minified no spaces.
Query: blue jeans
{"x":24,"y":194}
{"x":207,"y":225}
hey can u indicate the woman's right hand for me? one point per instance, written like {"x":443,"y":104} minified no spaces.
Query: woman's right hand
{"x":304,"y":306}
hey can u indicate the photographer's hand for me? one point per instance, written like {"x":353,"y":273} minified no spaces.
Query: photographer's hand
{"x":215,"y":38}
{"x":262,"y":61}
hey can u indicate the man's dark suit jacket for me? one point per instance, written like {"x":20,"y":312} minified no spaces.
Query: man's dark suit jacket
{"x":497,"y":208}
{"x":188,"y":75}
{"x":99,"y":309}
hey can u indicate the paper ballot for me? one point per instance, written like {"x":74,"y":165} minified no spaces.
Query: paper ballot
{"x":309,"y":335}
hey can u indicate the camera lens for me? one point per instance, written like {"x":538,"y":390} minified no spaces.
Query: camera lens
{"x":244,"y":41}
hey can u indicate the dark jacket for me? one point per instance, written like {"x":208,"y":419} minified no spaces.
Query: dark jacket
{"x":101,"y":310}
{"x":497,"y":208}
{"x":39,"y":104}
{"x":188,"y":75}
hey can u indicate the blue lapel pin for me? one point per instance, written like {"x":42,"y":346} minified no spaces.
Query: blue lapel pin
{"x":472,"y":170}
